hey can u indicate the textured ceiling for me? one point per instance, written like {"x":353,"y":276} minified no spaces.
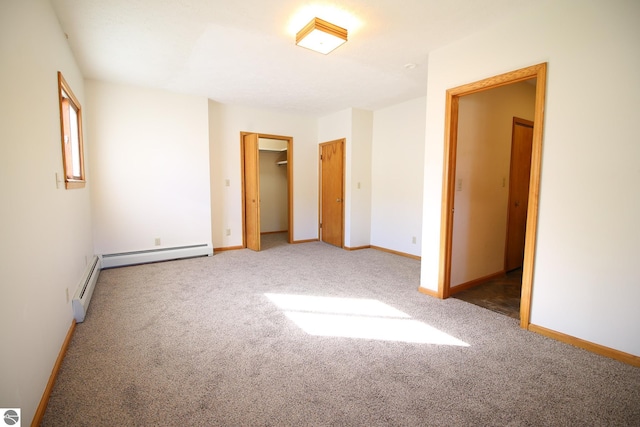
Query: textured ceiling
{"x":243,"y":51}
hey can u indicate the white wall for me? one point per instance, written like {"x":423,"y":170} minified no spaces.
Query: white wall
{"x":225,"y":124}
{"x":151,"y":168}
{"x":586,"y":281}
{"x":45,"y":231}
{"x":358,"y":183}
{"x":397,"y":177}
{"x":483,"y":157}
{"x":335,"y":126}
{"x":273,"y":192}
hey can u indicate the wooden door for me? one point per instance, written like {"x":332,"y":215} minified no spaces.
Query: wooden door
{"x":332,"y":192}
{"x":521,"y":144}
{"x":251,"y":191}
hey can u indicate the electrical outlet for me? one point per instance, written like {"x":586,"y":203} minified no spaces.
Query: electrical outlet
{"x":228,"y":232}
{"x":67,"y":292}
{"x":227,"y":183}
{"x":459,"y":185}
{"x":157,"y":241}
{"x":413,"y":240}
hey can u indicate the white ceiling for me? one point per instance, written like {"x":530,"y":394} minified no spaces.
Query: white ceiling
{"x":243,"y":51}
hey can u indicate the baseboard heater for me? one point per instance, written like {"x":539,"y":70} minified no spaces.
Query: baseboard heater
{"x":155,"y":255}
{"x":80,"y":302}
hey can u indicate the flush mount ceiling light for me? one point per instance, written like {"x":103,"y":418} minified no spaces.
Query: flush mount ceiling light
{"x":321,"y":36}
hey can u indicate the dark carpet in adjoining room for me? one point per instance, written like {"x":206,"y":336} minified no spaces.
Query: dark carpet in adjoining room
{"x":500,"y":294}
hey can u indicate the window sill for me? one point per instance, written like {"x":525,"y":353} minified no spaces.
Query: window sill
{"x":74,"y":183}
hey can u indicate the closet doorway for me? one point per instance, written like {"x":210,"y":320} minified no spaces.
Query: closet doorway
{"x":267,"y":184}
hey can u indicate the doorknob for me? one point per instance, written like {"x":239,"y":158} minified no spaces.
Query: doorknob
{"x":517,"y":204}
{"x":338,"y":200}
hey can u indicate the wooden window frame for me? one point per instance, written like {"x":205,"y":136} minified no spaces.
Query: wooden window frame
{"x":68,"y":100}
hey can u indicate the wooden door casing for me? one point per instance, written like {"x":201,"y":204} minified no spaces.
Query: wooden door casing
{"x":453,"y":95}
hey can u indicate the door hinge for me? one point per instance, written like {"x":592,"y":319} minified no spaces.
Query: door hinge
{"x":320,"y":156}
{"x":320,"y":225}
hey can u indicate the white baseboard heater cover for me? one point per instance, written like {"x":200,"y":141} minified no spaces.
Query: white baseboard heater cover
{"x":155,"y":255}
{"x":82,"y":297}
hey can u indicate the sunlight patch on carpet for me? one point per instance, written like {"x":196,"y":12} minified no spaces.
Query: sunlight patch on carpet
{"x":354,"y":306}
{"x":358,"y":318}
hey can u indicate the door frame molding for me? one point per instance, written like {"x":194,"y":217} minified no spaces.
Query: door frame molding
{"x":289,"y":140}
{"x":344,"y":165}
{"x":453,"y":95}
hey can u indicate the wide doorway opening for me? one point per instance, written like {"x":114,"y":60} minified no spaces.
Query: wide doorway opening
{"x":476,"y":197}
{"x":493,"y":163}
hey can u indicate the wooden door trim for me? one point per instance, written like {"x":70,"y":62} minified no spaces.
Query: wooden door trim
{"x":523,"y":122}
{"x":289,"y":140}
{"x":453,"y":95}
{"x":344,"y":165}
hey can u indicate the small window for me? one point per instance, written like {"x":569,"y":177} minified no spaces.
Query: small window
{"x":71,"y":128}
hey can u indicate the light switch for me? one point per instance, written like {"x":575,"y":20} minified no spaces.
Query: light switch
{"x":459,"y":185}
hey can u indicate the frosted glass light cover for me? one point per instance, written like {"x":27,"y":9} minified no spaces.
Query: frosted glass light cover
{"x":321,"y":36}
{"x":321,"y":42}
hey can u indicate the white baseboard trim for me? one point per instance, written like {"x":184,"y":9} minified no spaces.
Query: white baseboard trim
{"x":155,"y":255}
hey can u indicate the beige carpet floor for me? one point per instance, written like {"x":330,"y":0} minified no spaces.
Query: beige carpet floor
{"x":312,"y":335}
